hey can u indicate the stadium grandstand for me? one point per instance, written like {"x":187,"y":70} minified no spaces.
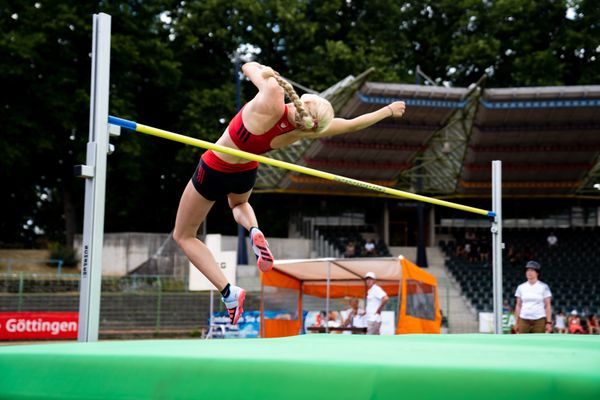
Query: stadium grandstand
{"x":548,"y":140}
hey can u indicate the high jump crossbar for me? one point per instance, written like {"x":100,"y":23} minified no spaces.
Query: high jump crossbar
{"x":134,"y":126}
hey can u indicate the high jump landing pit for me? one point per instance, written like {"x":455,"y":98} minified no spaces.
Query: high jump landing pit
{"x":470,"y":366}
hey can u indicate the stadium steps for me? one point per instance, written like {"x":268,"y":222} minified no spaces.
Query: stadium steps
{"x":461,"y":318}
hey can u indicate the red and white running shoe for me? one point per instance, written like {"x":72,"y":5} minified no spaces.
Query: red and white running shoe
{"x":264,"y":258}
{"x":235,"y":303}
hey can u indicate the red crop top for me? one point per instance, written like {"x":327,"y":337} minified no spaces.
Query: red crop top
{"x":257,"y":144}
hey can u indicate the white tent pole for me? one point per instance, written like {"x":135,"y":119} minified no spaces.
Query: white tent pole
{"x":497,"y":243}
{"x":301,"y":307}
{"x":399,"y":295}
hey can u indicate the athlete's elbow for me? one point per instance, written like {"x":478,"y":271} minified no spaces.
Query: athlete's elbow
{"x":250,"y":65}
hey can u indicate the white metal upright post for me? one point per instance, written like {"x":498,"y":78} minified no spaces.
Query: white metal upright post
{"x":497,"y":244}
{"x":399,"y":305}
{"x":95,"y":185}
{"x":327,"y":300}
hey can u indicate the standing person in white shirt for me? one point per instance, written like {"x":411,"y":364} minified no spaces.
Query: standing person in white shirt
{"x":534,"y":308}
{"x":376,"y":300}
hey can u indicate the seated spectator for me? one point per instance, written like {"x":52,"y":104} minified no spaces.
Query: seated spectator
{"x":575,"y":323}
{"x":381,"y":248}
{"x":333,"y":319}
{"x":460,"y":251}
{"x":592,"y":322}
{"x":560,"y":322}
{"x":354,"y":316}
{"x":370,"y":248}
{"x":473,"y":253}
{"x":314,"y":318}
{"x":350,"y":250}
{"x":552,"y":241}
{"x":467,"y":250}
{"x":470,"y":236}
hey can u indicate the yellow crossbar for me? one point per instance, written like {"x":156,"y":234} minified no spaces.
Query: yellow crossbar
{"x":292,"y":167}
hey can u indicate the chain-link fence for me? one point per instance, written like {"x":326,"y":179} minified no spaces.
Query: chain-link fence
{"x":129,"y":306}
{"x":162,"y":306}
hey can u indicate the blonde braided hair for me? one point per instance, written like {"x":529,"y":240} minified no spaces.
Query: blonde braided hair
{"x":303,"y":119}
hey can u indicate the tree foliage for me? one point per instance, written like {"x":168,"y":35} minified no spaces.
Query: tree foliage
{"x":172,"y":66}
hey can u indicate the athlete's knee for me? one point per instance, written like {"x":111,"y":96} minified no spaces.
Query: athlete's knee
{"x":233,"y":204}
{"x":181,"y":237}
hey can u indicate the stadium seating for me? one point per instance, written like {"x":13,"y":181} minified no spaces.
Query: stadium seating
{"x":571,"y":269}
{"x":340,"y":236}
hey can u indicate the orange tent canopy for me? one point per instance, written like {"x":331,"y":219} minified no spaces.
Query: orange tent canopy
{"x":336,"y":278}
{"x":345,"y":276}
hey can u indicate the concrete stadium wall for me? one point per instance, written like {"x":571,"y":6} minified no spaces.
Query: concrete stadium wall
{"x":125,"y":252}
{"x":408,"y":252}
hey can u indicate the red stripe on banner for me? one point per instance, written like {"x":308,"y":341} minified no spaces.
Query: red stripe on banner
{"x":38,"y":325}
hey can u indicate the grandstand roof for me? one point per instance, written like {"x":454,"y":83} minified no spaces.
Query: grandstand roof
{"x":548,"y":139}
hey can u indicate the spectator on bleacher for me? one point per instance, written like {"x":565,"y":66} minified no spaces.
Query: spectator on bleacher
{"x":592,"y":323}
{"x":370,"y":248}
{"x":354,"y":316}
{"x":513,"y":256}
{"x":460,"y":251}
{"x":381,"y":249}
{"x":552,"y":241}
{"x":350,"y":250}
{"x":533,"y":309}
{"x":560,"y":323}
{"x":474,"y":252}
{"x":376,"y":300}
{"x":575,"y":323}
{"x":467,"y":249}
{"x":470,"y":236}
{"x":484,"y":250}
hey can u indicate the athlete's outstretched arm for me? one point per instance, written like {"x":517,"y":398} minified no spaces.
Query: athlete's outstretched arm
{"x":270,"y":95}
{"x":341,"y":125}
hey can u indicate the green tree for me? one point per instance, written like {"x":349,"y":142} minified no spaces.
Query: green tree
{"x":172,"y":66}
{"x":44,"y":99}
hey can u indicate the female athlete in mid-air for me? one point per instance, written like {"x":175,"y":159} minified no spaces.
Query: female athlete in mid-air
{"x":264,"y":123}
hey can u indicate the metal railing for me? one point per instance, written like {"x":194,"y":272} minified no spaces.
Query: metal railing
{"x":9,"y":263}
{"x":136,"y":305}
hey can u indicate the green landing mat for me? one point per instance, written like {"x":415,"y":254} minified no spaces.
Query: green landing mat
{"x":309,"y":367}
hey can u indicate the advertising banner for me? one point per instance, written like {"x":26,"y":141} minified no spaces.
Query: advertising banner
{"x":248,"y":325}
{"x":38,"y":325}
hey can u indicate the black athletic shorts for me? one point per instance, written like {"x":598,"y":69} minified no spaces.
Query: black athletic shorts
{"x":213,"y":184}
